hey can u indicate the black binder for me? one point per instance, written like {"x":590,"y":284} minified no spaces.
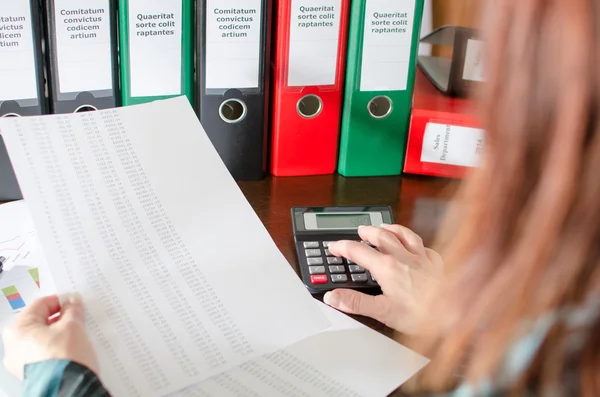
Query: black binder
{"x":82,"y":50}
{"x":235,"y":117}
{"x":23,"y":19}
{"x":460,"y":75}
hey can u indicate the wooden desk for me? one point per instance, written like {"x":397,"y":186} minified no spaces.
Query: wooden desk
{"x":418,"y":203}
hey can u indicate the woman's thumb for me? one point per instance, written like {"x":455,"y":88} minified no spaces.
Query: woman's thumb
{"x":72,"y":311}
{"x":353,"y":302}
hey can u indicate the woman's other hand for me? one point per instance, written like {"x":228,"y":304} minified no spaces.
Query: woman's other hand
{"x":47,"y":331}
{"x":407,"y":272}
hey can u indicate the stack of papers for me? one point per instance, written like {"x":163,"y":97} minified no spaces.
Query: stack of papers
{"x":185,"y":290}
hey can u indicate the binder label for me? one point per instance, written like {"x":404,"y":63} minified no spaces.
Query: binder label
{"x":474,"y":61}
{"x":314,"y":42}
{"x":17,"y":68}
{"x":387,"y":45}
{"x":155,"y":33}
{"x":83,"y":45}
{"x":453,"y":145}
{"x":233,"y":42}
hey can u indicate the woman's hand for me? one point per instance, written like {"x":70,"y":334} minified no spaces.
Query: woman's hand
{"x":34,"y":337}
{"x":407,"y":272}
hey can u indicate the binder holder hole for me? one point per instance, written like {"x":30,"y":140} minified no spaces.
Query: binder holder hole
{"x":380,"y":107}
{"x":10,"y":115}
{"x":309,"y":106}
{"x":85,"y":108}
{"x":233,"y":111}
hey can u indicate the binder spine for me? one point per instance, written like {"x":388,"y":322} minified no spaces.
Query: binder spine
{"x":83,"y":23}
{"x":35,"y":101}
{"x":306,"y":115}
{"x":233,"y":107}
{"x":187,"y":55}
{"x":21,"y":107}
{"x":375,"y":122}
{"x":431,"y":150}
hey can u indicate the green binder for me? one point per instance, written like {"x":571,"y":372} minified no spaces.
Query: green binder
{"x":157,"y":49}
{"x":382,"y":59}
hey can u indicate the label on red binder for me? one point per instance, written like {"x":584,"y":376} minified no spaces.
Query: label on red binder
{"x":17,"y":65}
{"x":474,"y":61}
{"x":451,"y":144}
{"x":83,"y":45}
{"x":233,"y":42}
{"x":314,"y":42}
{"x":387,"y":45}
{"x":155,"y":32}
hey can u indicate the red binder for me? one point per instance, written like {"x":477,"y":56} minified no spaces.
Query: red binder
{"x":445,"y":138}
{"x":308,"y":81}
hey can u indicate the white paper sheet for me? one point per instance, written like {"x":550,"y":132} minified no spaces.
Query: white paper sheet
{"x":17,"y":59}
{"x":314,"y":42}
{"x":474,"y":69}
{"x":233,"y":41}
{"x":347,"y":360}
{"x":155,"y":33}
{"x":136,"y":211}
{"x":83,"y":45}
{"x":18,"y":244}
{"x":452,"y":144}
{"x":387,"y":45}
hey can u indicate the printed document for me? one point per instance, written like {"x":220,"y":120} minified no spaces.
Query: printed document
{"x":135,"y":211}
{"x":24,"y":279}
{"x":347,"y":360}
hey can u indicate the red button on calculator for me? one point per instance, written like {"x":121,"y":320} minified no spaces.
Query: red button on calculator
{"x":318,"y":279}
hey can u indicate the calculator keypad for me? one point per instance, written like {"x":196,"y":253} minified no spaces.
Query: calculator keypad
{"x":319,"y":279}
{"x":314,"y":261}
{"x":316,"y":269}
{"x":335,"y":261}
{"x":312,"y":253}
{"x":324,"y":267}
{"x":339,"y":278}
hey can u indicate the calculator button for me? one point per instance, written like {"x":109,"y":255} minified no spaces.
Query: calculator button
{"x":311,"y":244}
{"x":339,"y":278}
{"x":316,"y":269}
{"x":327,"y":243}
{"x":356,"y":269}
{"x":350,"y":262}
{"x":314,"y":261}
{"x":337,"y":269}
{"x":335,"y":261}
{"x":319,"y":279}
{"x":359,"y":278}
{"x":327,"y":253}
{"x":310,"y":253}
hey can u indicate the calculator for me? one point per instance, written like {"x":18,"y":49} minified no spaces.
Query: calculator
{"x":317,"y":227}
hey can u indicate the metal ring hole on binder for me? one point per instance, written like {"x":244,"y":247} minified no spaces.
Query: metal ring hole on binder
{"x":380,"y":107}
{"x":309,"y":106}
{"x":11,"y":115}
{"x":85,"y":108}
{"x":233,"y":111}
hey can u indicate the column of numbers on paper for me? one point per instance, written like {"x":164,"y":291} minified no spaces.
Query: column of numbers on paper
{"x":178,"y":252}
{"x":149,"y":257}
{"x":307,"y":374}
{"x":51,"y":177}
{"x":141,"y":351}
{"x":207,"y":349}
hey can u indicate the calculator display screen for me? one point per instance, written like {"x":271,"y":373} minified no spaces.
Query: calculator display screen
{"x":342,"y":221}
